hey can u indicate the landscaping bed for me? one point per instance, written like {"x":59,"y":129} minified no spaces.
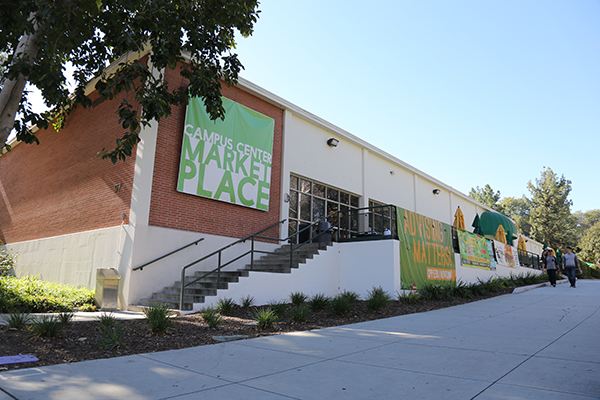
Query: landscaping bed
{"x":79,"y":341}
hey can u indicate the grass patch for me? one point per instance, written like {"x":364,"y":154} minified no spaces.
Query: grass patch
{"x":31,"y":295}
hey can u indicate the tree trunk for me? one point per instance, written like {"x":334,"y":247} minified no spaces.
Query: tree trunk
{"x":10,"y":96}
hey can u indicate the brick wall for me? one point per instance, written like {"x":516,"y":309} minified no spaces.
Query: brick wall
{"x":172,"y":209}
{"x":60,"y":187}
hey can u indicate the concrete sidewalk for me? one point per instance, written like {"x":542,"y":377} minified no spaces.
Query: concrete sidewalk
{"x":539,"y":344}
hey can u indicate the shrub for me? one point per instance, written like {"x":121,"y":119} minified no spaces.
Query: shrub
{"x":279,"y":308}
{"x":299,"y":313}
{"x":211,"y":317}
{"x":350,"y":295}
{"x":157,"y":317}
{"x":65,"y":318}
{"x":463,"y":290}
{"x":436,"y":292}
{"x":46,"y":326}
{"x":33,"y":295}
{"x":265,"y":318}
{"x":111,"y":336}
{"x":107,"y":319}
{"x":378,"y":299}
{"x":318,"y":302}
{"x":18,"y":320}
{"x":7,"y":262}
{"x":298,"y":298}
{"x":340,"y":305}
{"x":408,"y":297}
{"x":225,"y":306}
{"x":247,"y":301}
{"x":87,"y":308}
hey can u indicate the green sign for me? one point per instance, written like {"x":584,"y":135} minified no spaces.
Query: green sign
{"x":426,"y":254}
{"x":230,"y":159}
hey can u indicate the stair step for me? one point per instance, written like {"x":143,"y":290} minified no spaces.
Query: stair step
{"x":208,"y":285}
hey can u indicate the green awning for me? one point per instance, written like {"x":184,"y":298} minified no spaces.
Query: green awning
{"x":489,"y":222}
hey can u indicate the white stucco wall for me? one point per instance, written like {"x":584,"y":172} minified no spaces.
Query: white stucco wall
{"x":344,"y":266}
{"x":69,"y":259}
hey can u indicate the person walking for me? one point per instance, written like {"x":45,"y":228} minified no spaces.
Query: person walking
{"x":551,"y":265}
{"x":569,"y":263}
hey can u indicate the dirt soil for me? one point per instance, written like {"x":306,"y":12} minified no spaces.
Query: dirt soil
{"x":79,"y":341}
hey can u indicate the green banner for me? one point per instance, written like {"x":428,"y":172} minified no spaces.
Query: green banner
{"x":426,"y":254}
{"x":473,"y":250}
{"x":230,"y":159}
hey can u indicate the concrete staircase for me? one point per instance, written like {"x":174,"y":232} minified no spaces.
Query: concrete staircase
{"x":278,"y":263}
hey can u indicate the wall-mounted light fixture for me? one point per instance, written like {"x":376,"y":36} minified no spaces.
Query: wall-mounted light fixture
{"x":436,"y":191}
{"x":392,"y":173}
{"x":332,"y":142}
{"x":118,"y":187}
{"x":286,"y":198}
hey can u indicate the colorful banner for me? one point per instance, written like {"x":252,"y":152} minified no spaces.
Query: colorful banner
{"x":473,"y":250}
{"x":426,"y":254}
{"x":505,"y":256}
{"x":490,"y":247}
{"x":227,"y":160}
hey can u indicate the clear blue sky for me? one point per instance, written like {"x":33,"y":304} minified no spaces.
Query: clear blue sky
{"x":471,"y":92}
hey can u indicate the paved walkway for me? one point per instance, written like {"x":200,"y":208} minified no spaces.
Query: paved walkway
{"x":539,"y":344}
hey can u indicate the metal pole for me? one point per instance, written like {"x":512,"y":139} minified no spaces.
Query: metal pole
{"x":182,"y":289}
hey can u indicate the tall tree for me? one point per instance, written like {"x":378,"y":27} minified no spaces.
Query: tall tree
{"x":486,"y":196}
{"x":518,"y":210}
{"x":550,"y":216}
{"x":42,"y":36}
{"x":590,"y":244}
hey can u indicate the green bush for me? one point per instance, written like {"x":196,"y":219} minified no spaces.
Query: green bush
{"x":111,"y":336}
{"x":340,"y":305}
{"x":211,"y":317}
{"x":225,"y":306}
{"x":47,"y":326}
{"x":247,"y":301}
{"x":318,"y":302}
{"x":107,"y":319}
{"x":31,"y":295}
{"x":378,"y":299}
{"x":18,"y":320}
{"x":409,"y":297}
{"x":298,"y":298}
{"x":431,"y":291}
{"x":350,"y":295}
{"x":300,"y":313}
{"x":158,"y":319}
{"x":7,"y":262}
{"x":279,"y":308}
{"x":265,"y":318}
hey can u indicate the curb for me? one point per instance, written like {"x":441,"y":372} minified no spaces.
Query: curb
{"x":524,"y":289}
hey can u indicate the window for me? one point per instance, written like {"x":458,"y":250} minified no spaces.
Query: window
{"x":382,"y":219}
{"x":313,"y":201}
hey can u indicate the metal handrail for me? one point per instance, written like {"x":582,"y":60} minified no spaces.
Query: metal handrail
{"x":257,"y":235}
{"x":141,"y":267}
{"x":220,"y":266}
